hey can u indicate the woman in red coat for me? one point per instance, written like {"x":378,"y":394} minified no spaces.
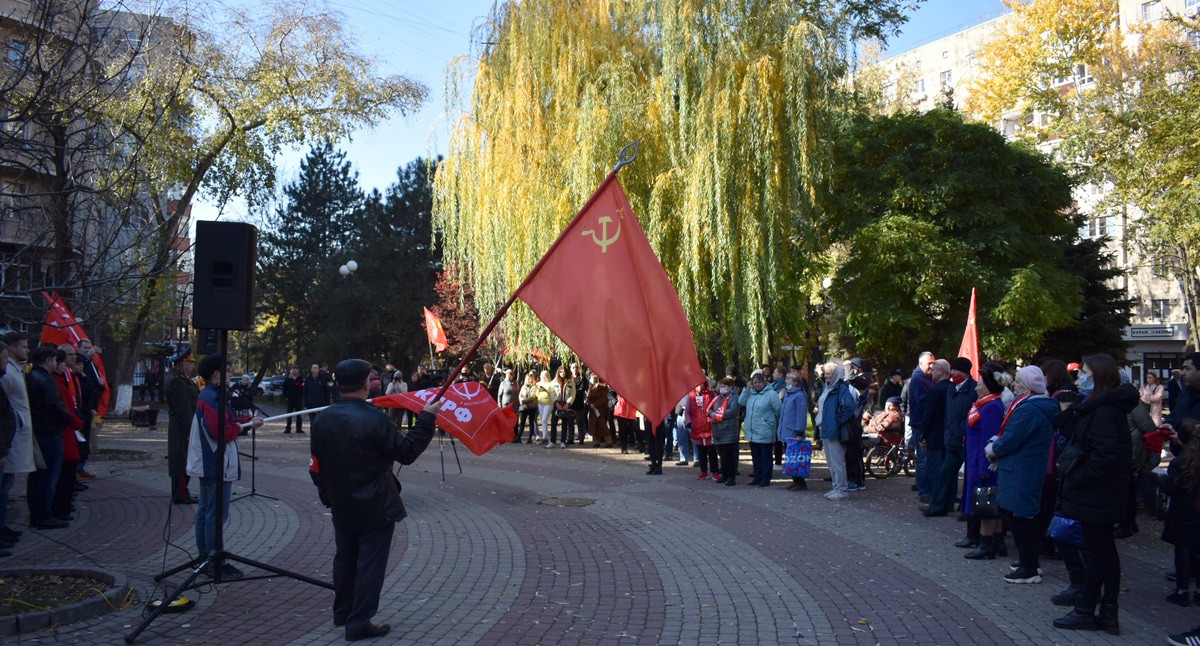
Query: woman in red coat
{"x":695,"y":416}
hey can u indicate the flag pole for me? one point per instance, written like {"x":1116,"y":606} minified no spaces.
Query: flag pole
{"x":627,"y":155}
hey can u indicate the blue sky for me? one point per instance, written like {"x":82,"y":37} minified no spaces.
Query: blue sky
{"x":420,"y":39}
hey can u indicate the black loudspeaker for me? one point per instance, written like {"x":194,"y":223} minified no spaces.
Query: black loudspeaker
{"x":223,"y":291}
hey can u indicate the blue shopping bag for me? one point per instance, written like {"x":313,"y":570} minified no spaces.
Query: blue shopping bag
{"x":797,"y":458}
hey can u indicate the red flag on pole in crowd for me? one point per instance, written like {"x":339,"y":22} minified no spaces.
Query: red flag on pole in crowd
{"x":434,"y":330}
{"x":628,"y":325}
{"x":62,"y":327}
{"x":969,"y":347}
{"x":468,"y":413}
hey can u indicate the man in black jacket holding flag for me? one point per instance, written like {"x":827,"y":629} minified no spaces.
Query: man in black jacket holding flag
{"x":353,"y":447}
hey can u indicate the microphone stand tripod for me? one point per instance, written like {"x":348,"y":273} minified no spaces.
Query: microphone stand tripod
{"x":253,"y":465}
{"x":216,"y":558}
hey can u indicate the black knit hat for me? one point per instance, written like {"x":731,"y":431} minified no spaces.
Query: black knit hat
{"x":961,"y":364}
{"x":210,"y":364}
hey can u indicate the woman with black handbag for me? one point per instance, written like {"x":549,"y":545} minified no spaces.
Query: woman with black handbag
{"x":1095,"y":486}
{"x":983,"y":423}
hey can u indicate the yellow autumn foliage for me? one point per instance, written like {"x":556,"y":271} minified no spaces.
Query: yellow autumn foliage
{"x":729,"y":101}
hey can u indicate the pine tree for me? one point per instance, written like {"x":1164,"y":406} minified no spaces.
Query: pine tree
{"x":300,"y":251}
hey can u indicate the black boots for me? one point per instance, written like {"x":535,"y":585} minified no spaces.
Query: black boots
{"x":1081,"y":618}
{"x":990,"y":546}
{"x":1067,"y":597}
{"x":1106,"y":619}
{"x":1077,"y":619}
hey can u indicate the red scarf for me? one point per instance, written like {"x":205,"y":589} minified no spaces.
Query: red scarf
{"x":973,"y":415}
{"x":1012,"y":408}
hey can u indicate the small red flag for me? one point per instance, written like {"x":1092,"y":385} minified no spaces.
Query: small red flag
{"x":434,"y":330}
{"x":628,"y":324}
{"x":969,"y":347}
{"x":468,"y":413}
{"x":62,"y":327}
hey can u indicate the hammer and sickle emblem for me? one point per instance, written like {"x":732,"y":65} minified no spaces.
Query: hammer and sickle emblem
{"x":604,"y":240}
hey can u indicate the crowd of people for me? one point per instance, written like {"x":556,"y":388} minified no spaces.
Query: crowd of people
{"x":1056,"y":456}
{"x":48,"y":402}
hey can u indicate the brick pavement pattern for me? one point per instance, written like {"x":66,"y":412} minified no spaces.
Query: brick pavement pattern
{"x":654,"y":560}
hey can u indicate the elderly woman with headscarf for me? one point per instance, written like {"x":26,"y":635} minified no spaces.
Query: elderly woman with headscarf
{"x":1095,"y":487}
{"x":835,"y":408}
{"x":1020,"y":452}
{"x":983,"y":423}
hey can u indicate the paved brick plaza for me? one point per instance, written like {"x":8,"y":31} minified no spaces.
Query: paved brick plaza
{"x":655,"y":560}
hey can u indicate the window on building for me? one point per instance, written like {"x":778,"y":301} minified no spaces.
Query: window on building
{"x":889,"y":91}
{"x":1150,"y":10}
{"x":1097,"y":227}
{"x":1192,"y":8}
{"x":944,"y":79}
{"x":1083,"y":74}
{"x":945,"y":54}
{"x":18,"y":50}
{"x":920,"y":87}
{"x":1160,"y":309}
{"x":12,"y":199}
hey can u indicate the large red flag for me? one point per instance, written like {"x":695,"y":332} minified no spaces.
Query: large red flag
{"x":468,"y":413}
{"x":434,"y":330}
{"x":969,"y":347}
{"x":627,"y":324}
{"x":62,"y":327}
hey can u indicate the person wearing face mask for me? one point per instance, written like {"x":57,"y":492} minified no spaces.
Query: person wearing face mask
{"x":762,"y":407}
{"x":1020,"y":453}
{"x":1095,"y":485}
{"x":723,"y":415}
{"x":835,"y":409}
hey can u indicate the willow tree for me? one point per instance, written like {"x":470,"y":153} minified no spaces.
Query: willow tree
{"x":730,"y":101}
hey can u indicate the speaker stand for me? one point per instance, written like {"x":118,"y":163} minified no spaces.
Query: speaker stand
{"x":215,"y":559}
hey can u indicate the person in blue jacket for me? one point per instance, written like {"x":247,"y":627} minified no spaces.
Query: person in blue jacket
{"x":1021,"y":452}
{"x":835,"y":408}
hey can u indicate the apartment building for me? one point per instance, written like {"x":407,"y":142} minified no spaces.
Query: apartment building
{"x":942,"y":71}
{"x":63,"y":226}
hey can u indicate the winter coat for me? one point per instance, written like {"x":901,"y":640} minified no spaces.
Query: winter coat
{"x":837,"y":411}
{"x":975,"y":463}
{"x":50,"y":414}
{"x":1186,"y":405}
{"x":181,"y":409}
{"x":21,"y":450}
{"x":71,"y":390}
{"x":1182,"y":526}
{"x":914,"y":394}
{"x":528,"y":398}
{"x":793,"y":418}
{"x":695,"y":416}
{"x":563,"y":394}
{"x":958,"y":403}
{"x":315,"y":389}
{"x":762,"y":414}
{"x":1095,"y":484}
{"x":726,"y":430}
{"x":353,"y":448}
{"x":1021,"y":454}
{"x":203,"y":439}
{"x":933,"y":415}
